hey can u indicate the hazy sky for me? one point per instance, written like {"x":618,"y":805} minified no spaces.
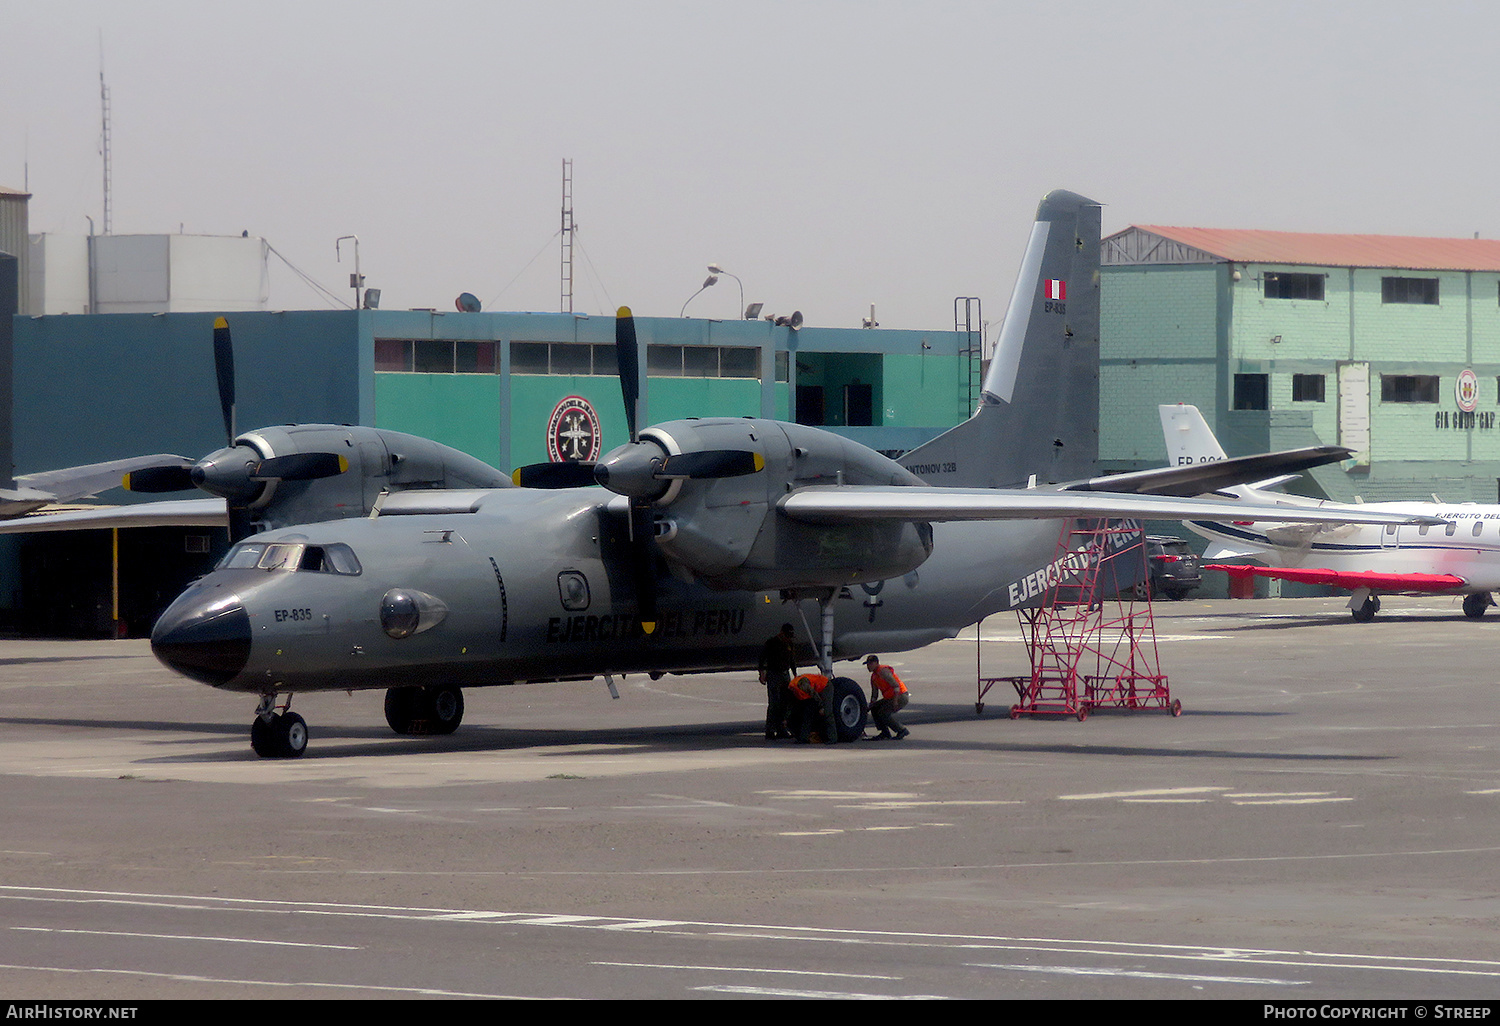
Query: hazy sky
{"x":831,"y":153}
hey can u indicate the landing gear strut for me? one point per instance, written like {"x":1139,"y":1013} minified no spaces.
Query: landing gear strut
{"x":277,"y":735}
{"x":850,"y":710}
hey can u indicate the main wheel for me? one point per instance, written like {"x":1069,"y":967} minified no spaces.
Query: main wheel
{"x":850,"y":709}
{"x":1366,"y":610}
{"x":401,"y":708}
{"x":444,"y":708}
{"x":1475,"y":605}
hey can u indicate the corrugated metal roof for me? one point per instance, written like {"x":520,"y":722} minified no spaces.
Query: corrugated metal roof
{"x":1396,"y":251}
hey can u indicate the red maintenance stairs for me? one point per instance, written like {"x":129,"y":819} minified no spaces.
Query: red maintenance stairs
{"x":1090,"y":645}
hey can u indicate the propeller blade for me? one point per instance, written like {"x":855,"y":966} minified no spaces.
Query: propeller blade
{"x":627,"y":352}
{"x":300,"y":466}
{"x":643,"y":558}
{"x":160,"y":479}
{"x":554,"y":475}
{"x":224,"y":370}
{"x":712,"y":463}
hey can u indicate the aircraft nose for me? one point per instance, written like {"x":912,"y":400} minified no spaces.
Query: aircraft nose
{"x":207,"y":641}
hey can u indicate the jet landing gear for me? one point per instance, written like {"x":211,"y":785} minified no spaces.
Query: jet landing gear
{"x":1475,"y":605}
{"x":424,"y":711}
{"x":1366,"y":610}
{"x":277,"y":735}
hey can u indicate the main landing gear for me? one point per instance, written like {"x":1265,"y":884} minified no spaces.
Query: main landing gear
{"x":425,"y":711}
{"x":277,"y":735}
{"x":1475,"y":605}
{"x":1366,"y":610}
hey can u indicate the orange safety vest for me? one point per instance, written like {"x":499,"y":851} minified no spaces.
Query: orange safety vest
{"x":808,"y":685}
{"x":879,"y":683}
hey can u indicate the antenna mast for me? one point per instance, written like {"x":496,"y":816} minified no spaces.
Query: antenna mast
{"x":567,"y":236}
{"x":104,"y":109}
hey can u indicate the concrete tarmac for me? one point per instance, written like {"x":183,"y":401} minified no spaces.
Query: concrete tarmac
{"x":1319,"y":824}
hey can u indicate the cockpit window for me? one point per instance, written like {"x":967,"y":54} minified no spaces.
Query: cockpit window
{"x":326,"y":559}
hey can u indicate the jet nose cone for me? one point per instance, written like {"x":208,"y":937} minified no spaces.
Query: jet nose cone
{"x":207,"y":641}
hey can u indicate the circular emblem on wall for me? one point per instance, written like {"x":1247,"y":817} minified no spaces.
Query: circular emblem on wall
{"x":1466,"y":390}
{"x":573,"y":432}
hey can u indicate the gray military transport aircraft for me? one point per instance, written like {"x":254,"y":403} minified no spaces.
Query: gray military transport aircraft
{"x":678,"y":552}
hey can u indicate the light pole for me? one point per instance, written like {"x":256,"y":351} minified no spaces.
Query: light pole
{"x":716,"y":269}
{"x":712,"y":279}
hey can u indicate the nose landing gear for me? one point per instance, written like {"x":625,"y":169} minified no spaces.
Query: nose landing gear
{"x":277,"y":735}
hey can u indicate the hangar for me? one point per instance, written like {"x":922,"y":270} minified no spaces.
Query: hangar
{"x":1389,"y":345}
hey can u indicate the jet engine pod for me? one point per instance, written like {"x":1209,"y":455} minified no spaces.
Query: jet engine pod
{"x":406,"y":611}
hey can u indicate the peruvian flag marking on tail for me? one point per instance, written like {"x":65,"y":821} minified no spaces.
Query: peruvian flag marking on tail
{"x":1057,"y":289}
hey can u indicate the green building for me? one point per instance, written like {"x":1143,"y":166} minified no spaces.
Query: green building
{"x":1387,"y":345}
{"x":509,"y":388}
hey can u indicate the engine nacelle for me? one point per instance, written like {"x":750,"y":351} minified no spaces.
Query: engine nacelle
{"x":378,"y":460}
{"x":728,"y":532}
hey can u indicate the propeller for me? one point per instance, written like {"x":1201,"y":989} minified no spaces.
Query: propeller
{"x":641,"y":470}
{"x":236,"y":473}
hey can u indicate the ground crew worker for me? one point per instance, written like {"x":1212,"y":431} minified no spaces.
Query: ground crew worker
{"x":888,"y":696}
{"x":811,"y":697}
{"x":778,"y":662}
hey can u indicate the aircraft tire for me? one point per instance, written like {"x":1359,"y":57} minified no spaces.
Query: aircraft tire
{"x":850,"y":709}
{"x":1366,"y":610}
{"x":443,"y":709}
{"x":401,"y":708}
{"x":291,"y":736}
{"x":284,"y":736}
{"x":1475,"y":605}
{"x":263,"y":737}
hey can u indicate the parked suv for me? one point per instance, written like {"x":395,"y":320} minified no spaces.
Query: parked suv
{"x":1174,"y":567}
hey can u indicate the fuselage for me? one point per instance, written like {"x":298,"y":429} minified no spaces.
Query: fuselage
{"x":1467,"y":548}
{"x":531,"y":586}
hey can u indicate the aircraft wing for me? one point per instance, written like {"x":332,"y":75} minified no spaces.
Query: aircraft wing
{"x":834,"y":503}
{"x":1198,"y":478}
{"x":173,"y":513}
{"x":76,"y":482}
{"x":1351,"y":579}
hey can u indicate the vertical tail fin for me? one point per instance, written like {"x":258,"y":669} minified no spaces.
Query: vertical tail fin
{"x":1189,"y":438}
{"x":1040,"y":411}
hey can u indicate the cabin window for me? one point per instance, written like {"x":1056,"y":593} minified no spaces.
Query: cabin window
{"x":1477,"y":525}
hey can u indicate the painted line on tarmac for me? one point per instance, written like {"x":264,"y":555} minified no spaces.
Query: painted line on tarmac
{"x":1220,"y":955}
{"x":831,"y":995}
{"x":220,"y":981}
{"x":191,"y":937}
{"x":1076,"y":970}
{"x":748,"y":969}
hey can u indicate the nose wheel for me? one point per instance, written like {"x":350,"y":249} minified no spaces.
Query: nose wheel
{"x":277,"y":735}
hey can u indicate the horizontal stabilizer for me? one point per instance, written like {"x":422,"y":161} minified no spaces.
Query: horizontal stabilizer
{"x":1200,"y":478}
{"x":1351,"y":579}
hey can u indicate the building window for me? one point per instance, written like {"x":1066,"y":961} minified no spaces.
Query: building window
{"x":1409,"y":290}
{"x":392,"y":354}
{"x":1408,"y":388}
{"x":1308,"y":388}
{"x":1252,"y":392}
{"x":1284,"y":285}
